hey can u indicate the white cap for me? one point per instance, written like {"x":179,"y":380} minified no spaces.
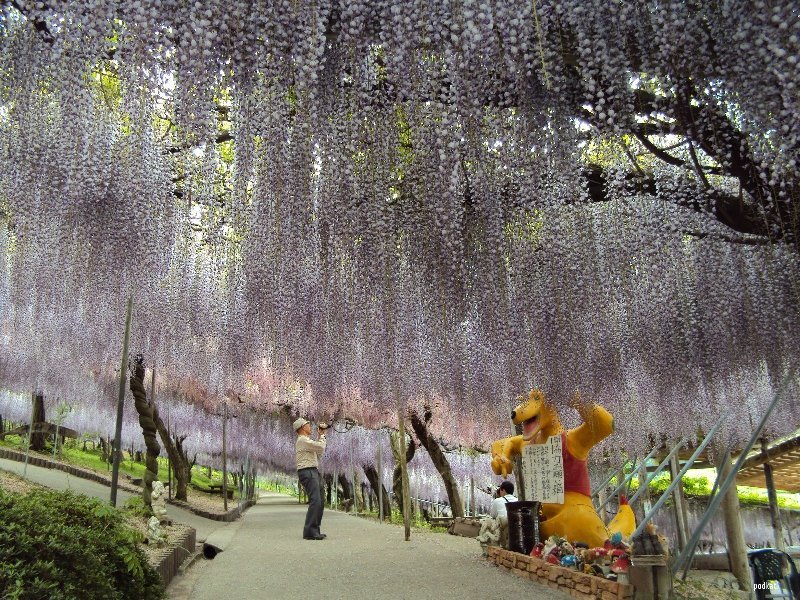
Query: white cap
{"x":299,"y":423}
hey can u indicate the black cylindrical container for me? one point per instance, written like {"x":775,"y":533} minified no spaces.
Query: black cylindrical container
{"x":523,"y":525}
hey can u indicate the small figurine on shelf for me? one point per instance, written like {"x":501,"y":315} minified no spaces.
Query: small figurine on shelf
{"x":537,"y":550}
{"x":621,"y":565}
{"x":569,"y":560}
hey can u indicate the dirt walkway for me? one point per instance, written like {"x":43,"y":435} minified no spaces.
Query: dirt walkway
{"x":266,"y":558}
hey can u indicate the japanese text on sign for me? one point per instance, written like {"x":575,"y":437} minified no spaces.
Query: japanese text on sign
{"x":543,"y":471}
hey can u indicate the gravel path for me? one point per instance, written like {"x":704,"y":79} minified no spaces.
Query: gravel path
{"x":266,"y":558}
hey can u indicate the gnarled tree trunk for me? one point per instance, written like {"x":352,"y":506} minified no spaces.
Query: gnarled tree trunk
{"x":374,"y":481}
{"x":440,"y":461}
{"x":397,"y":474}
{"x":346,"y":500}
{"x":37,"y":420}
{"x":181,"y":465}
{"x":146,"y":411}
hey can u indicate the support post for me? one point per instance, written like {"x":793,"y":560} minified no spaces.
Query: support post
{"x":602,"y":500}
{"x":644,"y":490}
{"x":28,"y":442}
{"x":55,"y":439}
{"x":472,"y":510}
{"x":404,"y":471}
{"x":153,"y":403}
{"x":380,"y":480}
{"x":519,"y":476}
{"x":224,"y":456}
{"x":120,"y":402}
{"x":737,"y":549}
{"x":679,"y":505}
{"x":169,"y":460}
{"x":774,"y":511}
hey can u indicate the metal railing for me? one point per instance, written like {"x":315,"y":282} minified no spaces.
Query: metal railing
{"x":684,"y":559}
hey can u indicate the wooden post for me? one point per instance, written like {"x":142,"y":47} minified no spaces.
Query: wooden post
{"x":404,"y":471}
{"x":152,"y":402}
{"x":602,"y":496}
{"x":169,"y":461}
{"x":380,"y":480}
{"x":645,"y":504}
{"x":737,"y":549}
{"x":519,"y":476}
{"x":473,"y":512}
{"x":28,"y":442}
{"x":117,"y":450}
{"x":224,"y":456}
{"x":679,"y":505}
{"x":774,"y":511}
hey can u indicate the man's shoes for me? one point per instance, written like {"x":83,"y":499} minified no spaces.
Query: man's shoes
{"x":314,"y":537}
{"x":323,"y":535}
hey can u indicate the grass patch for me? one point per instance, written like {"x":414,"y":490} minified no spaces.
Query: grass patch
{"x":73,"y":453}
{"x":699,"y":486}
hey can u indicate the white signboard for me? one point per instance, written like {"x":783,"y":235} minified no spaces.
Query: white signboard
{"x":543,"y":471}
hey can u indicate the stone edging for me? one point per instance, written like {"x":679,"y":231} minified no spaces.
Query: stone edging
{"x":569,"y":581}
{"x":176,"y":555}
{"x":229,"y":516}
{"x":39,"y":461}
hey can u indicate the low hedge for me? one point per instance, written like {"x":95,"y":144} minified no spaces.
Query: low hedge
{"x":61,"y":545}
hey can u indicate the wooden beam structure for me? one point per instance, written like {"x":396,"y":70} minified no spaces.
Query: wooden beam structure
{"x":784,"y":460}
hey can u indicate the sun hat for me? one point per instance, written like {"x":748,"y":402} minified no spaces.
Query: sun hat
{"x":299,"y":423}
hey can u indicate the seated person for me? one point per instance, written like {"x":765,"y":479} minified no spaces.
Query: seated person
{"x":505,"y":494}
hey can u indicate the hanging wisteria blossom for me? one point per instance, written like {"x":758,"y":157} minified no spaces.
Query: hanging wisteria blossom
{"x":339,"y":207}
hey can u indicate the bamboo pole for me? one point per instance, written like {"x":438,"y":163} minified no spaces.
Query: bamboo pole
{"x":120,"y":402}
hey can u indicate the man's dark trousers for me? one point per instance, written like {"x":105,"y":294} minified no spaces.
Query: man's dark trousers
{"x":310,"y":480}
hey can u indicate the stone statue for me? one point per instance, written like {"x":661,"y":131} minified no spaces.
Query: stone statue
{"x":159,"y":503}
{"x":154,"y":534}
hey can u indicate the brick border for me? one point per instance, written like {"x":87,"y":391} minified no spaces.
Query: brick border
{"x":569,"y":581}
{"x":47,"y":463}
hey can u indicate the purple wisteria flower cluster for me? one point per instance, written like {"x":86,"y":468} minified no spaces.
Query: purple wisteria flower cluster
{"x":342,"y":206}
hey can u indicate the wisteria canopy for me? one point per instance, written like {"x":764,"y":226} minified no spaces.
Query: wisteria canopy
{"x":336,"y":206}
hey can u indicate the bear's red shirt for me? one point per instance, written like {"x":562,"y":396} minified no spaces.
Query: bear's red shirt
{"x":576,"y":471}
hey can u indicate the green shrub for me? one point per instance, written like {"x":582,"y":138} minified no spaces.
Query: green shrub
{"x":64,"y":546}
{"x":135,"y":506}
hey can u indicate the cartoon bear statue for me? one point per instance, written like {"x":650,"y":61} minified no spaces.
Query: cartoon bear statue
{"x":576,"y":519}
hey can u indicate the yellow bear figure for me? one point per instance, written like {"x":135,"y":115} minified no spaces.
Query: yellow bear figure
{"x":576,"y":519}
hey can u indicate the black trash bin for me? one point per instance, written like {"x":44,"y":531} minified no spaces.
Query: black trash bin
{"x":523,"y":525}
